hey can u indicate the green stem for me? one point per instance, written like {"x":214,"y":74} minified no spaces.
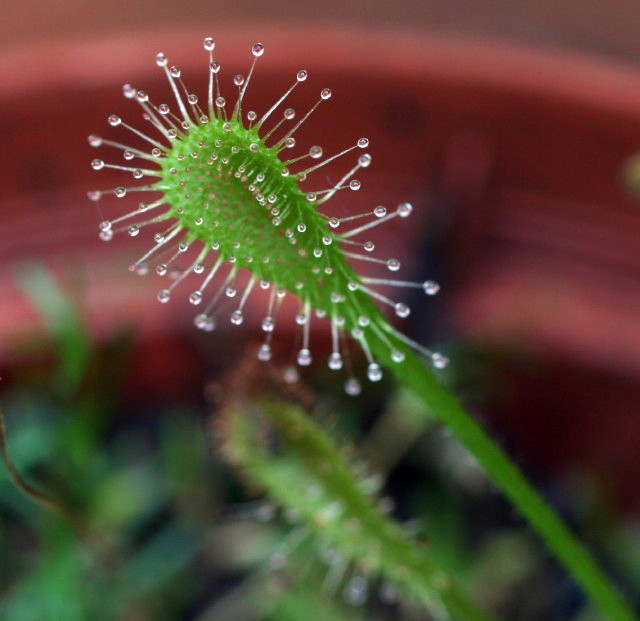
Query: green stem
{"x":288,"y":454}
{"x":506,"y":475}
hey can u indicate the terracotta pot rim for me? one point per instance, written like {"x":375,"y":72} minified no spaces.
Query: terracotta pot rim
{"x":401,"y":52}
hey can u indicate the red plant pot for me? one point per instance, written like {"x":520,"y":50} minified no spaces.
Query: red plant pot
{"x":514,"y":156}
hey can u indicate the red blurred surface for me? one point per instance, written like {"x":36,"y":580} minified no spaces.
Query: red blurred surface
{"x":519,"y":153}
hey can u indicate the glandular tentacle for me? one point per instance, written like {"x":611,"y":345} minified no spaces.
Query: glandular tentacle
{"x":223,"y":187}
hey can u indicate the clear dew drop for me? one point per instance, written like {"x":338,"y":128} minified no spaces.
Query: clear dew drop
{"x":120,"y":192}
{"x":363,"y":143}
{"x":290,"y":142}
{"x":195,"y":298}
{"x":94,"y":140}
{"x":175,"y":72}
{"x":192,"y":99}
{"x":374,"y":372}
{"x":114,"y":120}
{"x":97,"y":164}
{"x":439,"y":361}
{"x":161,"y":269}
{"x":430,"y":287}
{"x":302,"y":75}
{"x":133,"y":230}
{"x":106,"y":235}
{"x":315,"y":152}
{"x":198,"y":268}
{"x":264,"y":353}
{"x":257,"y":49}
{"x":369,"y":246}
{"x":289,"y":114}
{"x":364,"y":160}
{"x":164,"y":296}
{"x":393,"y":265}
{"x":230,"y":292}
{"x":209,"y":44}
{"x":268,"y":324}
{"x":355,"y":185}
{"x":291,"y":375}
{"x":325,"y":93}
{"x":304,"y":357}
{"x":161,"y":59}
{"x":237,"y":318}
{"x":397,"y":355}
{"x":238,"y":80}
{"x":204,"y":322}
{"x":137,"y":174}
{"x":215,"y":67}
{"x":301,"y":319}
{"x":352,"y":387}
{"x":94,"y":195}
{"x":380,"y":211}
{"x":128,"y":155}
{"x":402,"y":310}
{"x":128,"y":91}
{"x":220,"y":102}
{"x":143,"y":97}
{"x":252,"y":115}
{"x":164,"y":109}
{"x":335,"y":361}
{"x":405,"y":209}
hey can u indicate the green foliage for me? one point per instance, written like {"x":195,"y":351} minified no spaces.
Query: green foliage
{"x":167,"y":527}
{"x":286,"y":452}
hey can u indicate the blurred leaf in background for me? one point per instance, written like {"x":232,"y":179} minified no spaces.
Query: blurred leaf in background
{"x":174,"y":535}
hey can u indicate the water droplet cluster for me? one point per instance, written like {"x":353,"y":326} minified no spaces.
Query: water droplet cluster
{"x":232,"y":201}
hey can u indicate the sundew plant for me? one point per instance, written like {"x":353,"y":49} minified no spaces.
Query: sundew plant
{"x":232,"y":224}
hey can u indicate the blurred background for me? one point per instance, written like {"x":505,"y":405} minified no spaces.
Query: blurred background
{"x":511,"y":126}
